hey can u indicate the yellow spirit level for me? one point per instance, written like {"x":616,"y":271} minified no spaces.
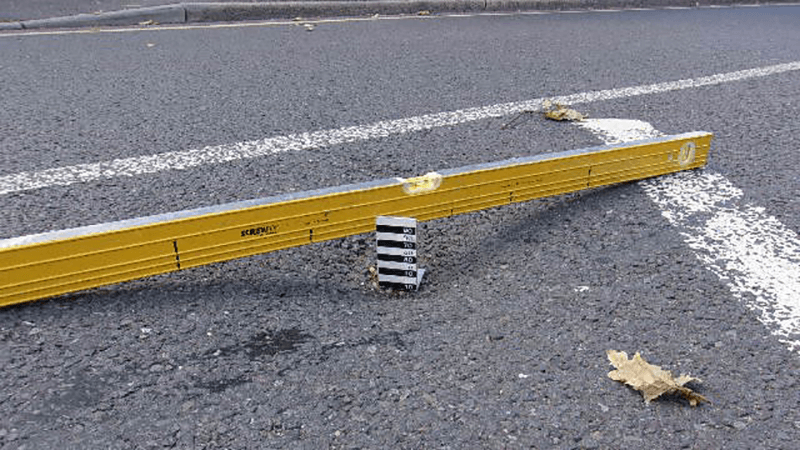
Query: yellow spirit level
{"x":43,"y":265}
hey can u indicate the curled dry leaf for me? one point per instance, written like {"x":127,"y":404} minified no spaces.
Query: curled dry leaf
{"x":373,"y":277}
{"x":557,"y":111}
{"x":652,"y":381}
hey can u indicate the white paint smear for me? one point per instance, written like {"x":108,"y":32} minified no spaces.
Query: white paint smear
{"x":755,"y":254}
{"x":187,"y":159}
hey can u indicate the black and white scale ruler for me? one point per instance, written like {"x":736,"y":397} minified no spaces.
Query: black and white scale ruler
{"x":397,"y":253}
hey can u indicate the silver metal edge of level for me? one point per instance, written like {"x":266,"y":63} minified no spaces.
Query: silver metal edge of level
{"x":228,"y":207}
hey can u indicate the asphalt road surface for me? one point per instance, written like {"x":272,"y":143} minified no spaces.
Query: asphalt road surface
{"x":505,"y":344}
{"x":11,"y":10}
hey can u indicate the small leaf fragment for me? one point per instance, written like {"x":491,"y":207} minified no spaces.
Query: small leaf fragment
{"x":557,"y":111}
{"x":652,"y":381}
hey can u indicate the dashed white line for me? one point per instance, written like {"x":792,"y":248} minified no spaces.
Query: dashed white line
{"x":178,"y":160}
{"x":756,"y":255}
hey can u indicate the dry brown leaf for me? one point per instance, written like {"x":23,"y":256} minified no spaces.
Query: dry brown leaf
{"x":373,"y":277}
{"x":652,"y":381}
{"x":148,"y":22}
{"x":560,"y":112}
{"x":424,"y":12}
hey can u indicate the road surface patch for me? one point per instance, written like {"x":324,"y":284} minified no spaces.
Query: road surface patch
{"x":187,"y":159}
{"x":753,"y":252}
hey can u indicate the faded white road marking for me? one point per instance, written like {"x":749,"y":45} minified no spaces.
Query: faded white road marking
{"x":186,"y":159}
{"x":274,"y":23}
{"x":755,"y":254}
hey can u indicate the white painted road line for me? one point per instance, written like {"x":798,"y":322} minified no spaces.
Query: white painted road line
{"x":335,"y":20}
{"x":756,"y":255}
{"x":128,"y":167}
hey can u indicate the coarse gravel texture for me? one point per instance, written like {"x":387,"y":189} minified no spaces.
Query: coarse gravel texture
{"x":503,"y":346}
{"x":19,"y":10}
